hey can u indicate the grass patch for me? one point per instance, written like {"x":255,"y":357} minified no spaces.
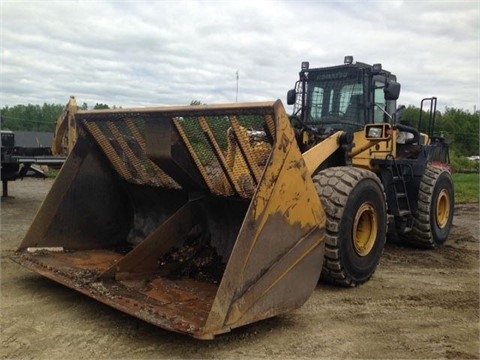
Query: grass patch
{"x":52,"y":173}
{"x":466,"y":187}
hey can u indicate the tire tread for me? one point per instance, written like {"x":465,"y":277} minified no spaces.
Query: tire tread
{"x":334,"y":186}
{"x":421,"y":235}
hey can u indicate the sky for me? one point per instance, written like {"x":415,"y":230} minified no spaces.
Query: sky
{"x":158,"y":53}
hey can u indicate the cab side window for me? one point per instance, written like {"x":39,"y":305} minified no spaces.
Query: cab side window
{"x":380,"y":103}
{"x":317,"y":103}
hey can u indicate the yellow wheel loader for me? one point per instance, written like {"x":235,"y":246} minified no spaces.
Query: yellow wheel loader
{"x":201,"y":219}
{"x":411,"y":168}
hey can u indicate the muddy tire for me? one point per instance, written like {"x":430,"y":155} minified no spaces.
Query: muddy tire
{"x":356,"y":226}
{"x":433,"y":220}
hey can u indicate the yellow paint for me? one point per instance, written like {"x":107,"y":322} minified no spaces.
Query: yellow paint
{"x":443,"y":208}
{"x":66,"y":130}
{"x":365,"y":150}
{"x":365,"y":229}
{"x":315,"y":156}
{"x":286,"y":194}
{"x":256,"y":154}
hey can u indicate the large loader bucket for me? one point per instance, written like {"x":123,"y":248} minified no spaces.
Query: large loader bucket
{"x":197,"y":219}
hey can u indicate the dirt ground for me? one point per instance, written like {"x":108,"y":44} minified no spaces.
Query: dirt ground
{"x":418,"y":305}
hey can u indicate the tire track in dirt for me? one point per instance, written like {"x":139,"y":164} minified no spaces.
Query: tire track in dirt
{"x":418,"y":304}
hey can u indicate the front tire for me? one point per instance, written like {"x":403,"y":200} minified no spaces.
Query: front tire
{"x":355,"y":207}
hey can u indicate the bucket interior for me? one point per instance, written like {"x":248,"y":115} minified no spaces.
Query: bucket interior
{"x":147,"y":209}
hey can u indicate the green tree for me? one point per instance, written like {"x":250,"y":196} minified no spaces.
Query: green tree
{"x":30,"y":117}
{"x":462,"y":128}
{"x":101,"y":106}
{"x":459,"y":127}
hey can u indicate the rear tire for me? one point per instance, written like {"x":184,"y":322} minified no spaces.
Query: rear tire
{"x":433,"y":220}
{"x":355,"y":206}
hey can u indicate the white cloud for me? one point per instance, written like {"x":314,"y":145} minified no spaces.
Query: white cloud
{"x":131,"y":53}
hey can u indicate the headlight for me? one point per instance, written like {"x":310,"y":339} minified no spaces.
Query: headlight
{"x":375,"y":132}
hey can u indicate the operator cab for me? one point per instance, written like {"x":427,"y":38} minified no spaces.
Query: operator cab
{"x":344,"y":97}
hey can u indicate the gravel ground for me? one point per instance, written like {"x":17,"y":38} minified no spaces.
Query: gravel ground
{"x":418,"y":305}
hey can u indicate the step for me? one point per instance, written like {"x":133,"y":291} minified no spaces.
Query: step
{"x":404,"y":212}
{"x":401,"y":195}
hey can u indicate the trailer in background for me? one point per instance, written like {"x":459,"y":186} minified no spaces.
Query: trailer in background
{"x":23,"y":161}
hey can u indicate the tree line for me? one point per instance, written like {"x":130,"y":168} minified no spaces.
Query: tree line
{"x":35,"y":117}
{"x":460,"y":128}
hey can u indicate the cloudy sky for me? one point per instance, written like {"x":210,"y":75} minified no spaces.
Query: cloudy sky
{"x":149,"y":53}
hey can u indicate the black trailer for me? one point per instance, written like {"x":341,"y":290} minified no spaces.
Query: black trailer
{"x":19,"y":161}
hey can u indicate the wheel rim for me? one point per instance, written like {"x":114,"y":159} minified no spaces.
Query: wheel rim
{"x":443,"y":209}
{"x":365,"y":229}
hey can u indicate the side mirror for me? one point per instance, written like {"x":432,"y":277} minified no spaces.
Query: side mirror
{"x":391,"y":90}
{"x":291,"y":97}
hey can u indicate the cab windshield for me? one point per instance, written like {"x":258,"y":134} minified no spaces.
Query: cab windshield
{"x":336,"y":99}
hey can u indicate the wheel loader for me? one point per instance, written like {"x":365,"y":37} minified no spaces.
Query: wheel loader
{"x":201,"y":219}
